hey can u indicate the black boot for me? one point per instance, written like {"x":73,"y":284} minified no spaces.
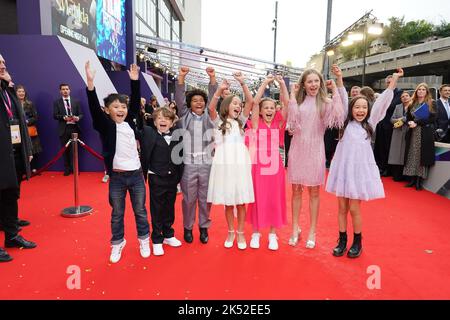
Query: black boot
{"x":204,"y":235}
{"x":412,"y":183}
{"x":356,"y":248}
{"x":419,"y":184}
{"x":188,"y":235}
{"x":342,"y":245}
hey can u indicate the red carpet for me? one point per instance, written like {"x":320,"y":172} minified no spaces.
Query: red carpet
{"x":406,"y":235}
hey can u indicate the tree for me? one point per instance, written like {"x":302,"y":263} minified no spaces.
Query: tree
{"x":442,"y":30}
{"x":393,"y":33}
{"x":415,"y":31}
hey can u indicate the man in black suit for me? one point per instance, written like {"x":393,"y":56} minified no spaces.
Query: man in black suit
{"x":443,"y":117}
{"x":383,"y":133}
{"x":15,"y":157}
{"x":68,"y":113}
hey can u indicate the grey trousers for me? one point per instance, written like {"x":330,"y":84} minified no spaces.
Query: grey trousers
{"x":194,"y":185}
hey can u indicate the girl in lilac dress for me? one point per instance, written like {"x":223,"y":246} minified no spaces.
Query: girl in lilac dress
{"x":269,"y":208}
{"x":310,"y":113}
{"x":354,"y":175}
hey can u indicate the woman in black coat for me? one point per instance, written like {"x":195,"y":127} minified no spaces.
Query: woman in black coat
{"x":419,"y":152}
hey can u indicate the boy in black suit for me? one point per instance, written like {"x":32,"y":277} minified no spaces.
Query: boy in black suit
{"x":162,"y":160}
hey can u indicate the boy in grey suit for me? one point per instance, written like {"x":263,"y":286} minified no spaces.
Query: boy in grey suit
{"x":197,"y":158}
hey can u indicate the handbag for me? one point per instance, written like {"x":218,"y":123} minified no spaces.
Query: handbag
{"x":32,"y":131}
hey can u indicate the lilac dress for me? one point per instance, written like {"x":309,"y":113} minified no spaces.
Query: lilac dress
{"x":306,"y":163}
{"x":354,"y":173}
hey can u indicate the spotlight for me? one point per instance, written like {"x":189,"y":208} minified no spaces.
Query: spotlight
{"x":157,"y":64}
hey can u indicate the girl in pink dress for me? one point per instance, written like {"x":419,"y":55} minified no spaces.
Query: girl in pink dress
{"x":354,"y":175}
{"x":269,"y":208}
{"x":310,"y":113}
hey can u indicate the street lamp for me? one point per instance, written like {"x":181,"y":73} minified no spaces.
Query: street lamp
{"x":372,"y":29}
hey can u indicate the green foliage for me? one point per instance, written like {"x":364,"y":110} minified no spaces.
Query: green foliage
{"x":398,"y":34}
{"x":443,"y":30}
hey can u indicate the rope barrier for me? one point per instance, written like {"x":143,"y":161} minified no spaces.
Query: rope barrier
{"x":61,"y":152}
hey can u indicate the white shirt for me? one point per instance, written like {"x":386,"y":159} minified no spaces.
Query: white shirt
{"x":126,"y":157}
{"x":446,"y":106}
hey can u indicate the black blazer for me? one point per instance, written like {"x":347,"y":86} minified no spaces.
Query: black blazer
{"x":442,"y":120}
{"x":59,"y":112}
{"x":8,"y":178}
{"x":162,"y":159}
{"x":107,"y":127}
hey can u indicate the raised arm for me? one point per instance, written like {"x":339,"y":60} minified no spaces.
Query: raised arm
{"x":334,"y":111}
{"x":213,"y":104}
{"x":180,"y":91}
{"x":135,"y":99}
{"x":284,"y":96}
{"x":383,"y":102}
{"x":98,"y":117}
{"x":212,"y":85}
{"x":340,"y":85}
{"x":239,"y":77}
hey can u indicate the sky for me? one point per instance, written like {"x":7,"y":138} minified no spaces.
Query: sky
{"x":244,"y":27}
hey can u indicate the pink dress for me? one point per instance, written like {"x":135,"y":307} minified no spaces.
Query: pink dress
{"x":269,"y":208}
{"x":354,"y":173}
{"x":306,"y":163}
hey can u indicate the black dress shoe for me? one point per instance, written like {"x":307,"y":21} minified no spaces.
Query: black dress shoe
{"x":66,"y":173}
{"x":204,"y":235}
{"x":19,"y":242}
{"x":411,"y":184}
{"x":4,"y":256}
{"x":188,"y":235}
{"x":23,"y":223}
{"x":419,"y":186}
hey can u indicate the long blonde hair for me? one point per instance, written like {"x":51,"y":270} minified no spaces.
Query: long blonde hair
{"x":322,"y":96}
{"x":428,"y":98}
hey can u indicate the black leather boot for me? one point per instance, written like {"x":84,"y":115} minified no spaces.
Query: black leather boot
{"x":419,"y":184}
{"x":356,"y":248}
{"x":188,"y":235}
{"x":204,"y":235}
{"x":411,"y":183}
{"x":342,"y":245}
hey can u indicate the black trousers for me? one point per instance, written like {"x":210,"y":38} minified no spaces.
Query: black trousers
{"x":163,"y":193}
{"x":68,"y":155}
{"x":383,"y":136}
{"x":9,"y":198}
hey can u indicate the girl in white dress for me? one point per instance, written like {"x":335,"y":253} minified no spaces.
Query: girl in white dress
{"x":230,"y":180}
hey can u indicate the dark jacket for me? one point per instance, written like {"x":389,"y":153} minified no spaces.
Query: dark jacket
{"x":8,"y":178}
{"x":157,"y":156}
{"x":107,"y":127}
{"x":427,"y":154}
{"x":442,"y":120}
{"x":31,"y":117}
{"x":59,"y":112}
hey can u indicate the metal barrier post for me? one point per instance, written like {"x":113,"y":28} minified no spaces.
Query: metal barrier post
{"x":77,"y":210}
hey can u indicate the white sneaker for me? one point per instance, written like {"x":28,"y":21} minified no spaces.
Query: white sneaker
{"x":158,"y":249}
{"x":105,"y":178}
{"x":241,"y":245}
{"x":144,"y":247}
{"x":254,"y":243}
{"x":273,"y":241}
{"x":173,"y":242}
{"x":116,"y":251}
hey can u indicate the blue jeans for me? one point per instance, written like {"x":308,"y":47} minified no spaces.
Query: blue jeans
{"x":119,"y":184}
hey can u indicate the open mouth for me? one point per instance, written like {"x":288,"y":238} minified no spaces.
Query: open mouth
{"x":163,"y":127}
{"x":235,"y":113}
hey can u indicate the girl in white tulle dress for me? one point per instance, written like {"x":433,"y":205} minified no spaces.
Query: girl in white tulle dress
{"x":354,"y":175}
{"x":230,"y":180}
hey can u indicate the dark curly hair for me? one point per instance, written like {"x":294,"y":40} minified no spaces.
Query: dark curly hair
{"x":195,"y":92}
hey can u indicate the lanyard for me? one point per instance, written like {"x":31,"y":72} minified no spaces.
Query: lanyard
{"x":8,"y":105}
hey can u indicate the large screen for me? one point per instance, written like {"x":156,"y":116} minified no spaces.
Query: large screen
{"x":99,"y":25}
